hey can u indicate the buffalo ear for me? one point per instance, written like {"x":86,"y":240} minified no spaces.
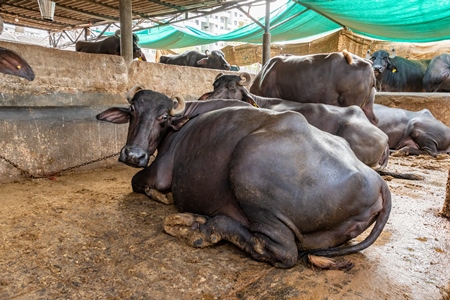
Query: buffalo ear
{"x":142,"y":56}
{"x":250,"y":100}
{"x":391,"y":62}
{"x":202,"y":61}
{"x":205,"y":96}
{"x":392,"y":65}
{"x":116,"y":115}
{"x":179,"y":122}
{"x":13,"y":64}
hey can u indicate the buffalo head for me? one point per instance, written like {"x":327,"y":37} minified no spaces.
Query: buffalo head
{"x":215,"y":60}
{"x":137,"y":52}
{"x":382,"y":60}
{"x":231,"y":87}
{"x":149,"y":115}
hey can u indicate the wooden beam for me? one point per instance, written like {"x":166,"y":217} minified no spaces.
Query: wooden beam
{"x":87,"y":14}
{"x":163,"y":3}
{"x":446,"y":208}
{"x":266,"y":35}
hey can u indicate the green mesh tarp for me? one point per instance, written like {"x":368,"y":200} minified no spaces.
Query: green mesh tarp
{"x":393,"y":20}
{"x":399,"y":21}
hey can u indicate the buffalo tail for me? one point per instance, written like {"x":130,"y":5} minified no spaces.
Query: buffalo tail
{"x":381,"y":221}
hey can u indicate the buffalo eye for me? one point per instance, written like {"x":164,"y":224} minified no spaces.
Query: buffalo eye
{"x":165,"y":117}
{"x":131,"y":108}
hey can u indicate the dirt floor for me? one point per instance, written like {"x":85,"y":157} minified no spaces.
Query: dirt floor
{"x":88,"y":236}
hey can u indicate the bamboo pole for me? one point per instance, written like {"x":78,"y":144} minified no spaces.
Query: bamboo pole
{"x":446,"y":208}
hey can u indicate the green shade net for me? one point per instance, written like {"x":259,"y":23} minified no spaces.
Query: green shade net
{"x":398,"y":21}
{"x":393,"y":20}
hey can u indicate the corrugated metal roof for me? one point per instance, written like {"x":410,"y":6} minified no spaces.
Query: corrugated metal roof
{"x":72,"y":14}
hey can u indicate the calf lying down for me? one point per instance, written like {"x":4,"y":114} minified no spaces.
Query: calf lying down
{"x":268,"y":182}
{"x":413,"y":132}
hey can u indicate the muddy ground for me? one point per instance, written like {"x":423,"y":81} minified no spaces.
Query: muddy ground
{"x":88,"y":236}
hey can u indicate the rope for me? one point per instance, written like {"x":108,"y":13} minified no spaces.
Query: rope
{"x":48,"y":175}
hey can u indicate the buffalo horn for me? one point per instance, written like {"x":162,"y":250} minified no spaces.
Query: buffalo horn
{"x":392,"y":55}
{"x":178,"y":105}
{"x":133,"y":91}
{"x":245,"y":79}
{"x":117,"y":33}
{"x":218,"y":75}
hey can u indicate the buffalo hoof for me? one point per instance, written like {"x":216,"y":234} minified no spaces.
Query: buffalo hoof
{"x":158,"y":196}
{"x":186,"y":227}
{"x":400,"y":153}
{"x":327,"y":263}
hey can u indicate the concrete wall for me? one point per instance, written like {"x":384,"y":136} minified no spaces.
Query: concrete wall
{"x":49,"y":124}
{"x":45,"y":140}
{"x":437,"y":103}
{"x":73,"y":78}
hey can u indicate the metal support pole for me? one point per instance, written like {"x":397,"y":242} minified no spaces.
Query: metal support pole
{"x":266,"y":35}
{"x":126,"y":37}
{"x":87,"y":33}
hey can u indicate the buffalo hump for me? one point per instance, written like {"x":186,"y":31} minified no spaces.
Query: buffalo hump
{"x":338,"y":78}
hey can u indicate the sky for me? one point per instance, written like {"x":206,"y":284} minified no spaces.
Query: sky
{"x":259,"y":10}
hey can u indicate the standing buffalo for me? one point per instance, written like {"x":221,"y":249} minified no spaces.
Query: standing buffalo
{"x":338,"y":78}
{"x":369,"y":143}
{"x":397,"y":74}
{"x":249,"y":176}
{"x":193,"y":58}
{"x":413,"y":132}
{"x":12,"y":63}
{"x":437,"y":75}
{"x":110,"y":45}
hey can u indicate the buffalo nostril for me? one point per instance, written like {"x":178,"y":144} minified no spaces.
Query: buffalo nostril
{"x":126,"y":150}
{"x":141,"y":157}
{"x":134,"y":156}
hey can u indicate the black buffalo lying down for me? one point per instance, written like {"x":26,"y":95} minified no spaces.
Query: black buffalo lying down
{"x":337,"y":78}
{"x":110,"y":45}
{"x":193,"y":58}
{"x":267,"y":182}
{"x":437,"y":75}
{"x":413,"y":132}
{"x":12,"y":63}
{"x":397,"y":74}
{"x":367,"y":141}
